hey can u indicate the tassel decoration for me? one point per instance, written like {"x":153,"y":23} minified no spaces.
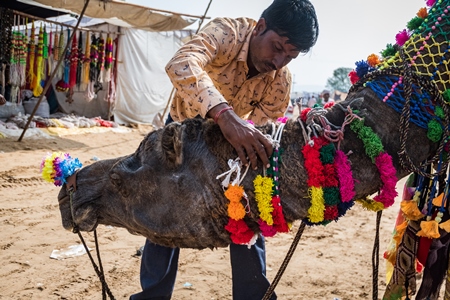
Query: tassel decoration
{"x":87,"y":59}
{"x":50,"y":59}
{"x":411,"y":210}
{"x":93,"y":74}
{"x":101,"y":58}
{"x":73,"y":62}
{"x":445,"y":226}
{"x":39,"y":71}
{"x":23,"y":59}
{"x":108,"y":58}
{"x":429,"y":229}
{"x":80,"y":60}
{"x":60,"y":48}
{"x":32,"y":50}
{"x":56,"y":47}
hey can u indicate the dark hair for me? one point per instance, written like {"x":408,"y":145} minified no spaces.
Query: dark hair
{"x":294,"y":19}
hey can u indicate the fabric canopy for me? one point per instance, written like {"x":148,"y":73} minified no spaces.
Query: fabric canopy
{"x":143,"y":87}
{"x":120,"y":14}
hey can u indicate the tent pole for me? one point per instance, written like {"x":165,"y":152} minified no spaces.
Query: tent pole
{"x":173,"y":89}
{"x":203,"y":17}
{"x":49,"y":80}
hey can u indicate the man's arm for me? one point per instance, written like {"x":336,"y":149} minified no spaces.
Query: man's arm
{"x":187,"y":71}
{"x":248,"y":142}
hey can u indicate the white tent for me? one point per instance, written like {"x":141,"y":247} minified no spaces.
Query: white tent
{"x":142,"y":86}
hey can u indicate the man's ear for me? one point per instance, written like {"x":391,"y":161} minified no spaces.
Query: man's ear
{"x":260,"y":27}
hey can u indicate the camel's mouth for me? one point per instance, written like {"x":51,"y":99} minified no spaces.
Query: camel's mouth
{"x":76,"y":212}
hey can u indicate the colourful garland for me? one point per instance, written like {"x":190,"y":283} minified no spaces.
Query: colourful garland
{"x":239,"y":231}
{"x":56,"y":167}
{"x":374,"y":149}
{"x":330,"y":182}
{"x":267,"y":196}
{"x":267,"y":193}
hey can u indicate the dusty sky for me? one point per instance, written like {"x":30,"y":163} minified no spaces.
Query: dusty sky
{"x":350,"y":30}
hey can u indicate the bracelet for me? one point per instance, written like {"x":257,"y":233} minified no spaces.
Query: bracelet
{"x":216,"y":117}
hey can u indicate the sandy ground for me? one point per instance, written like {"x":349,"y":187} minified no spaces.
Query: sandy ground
{"x":330,"y":262}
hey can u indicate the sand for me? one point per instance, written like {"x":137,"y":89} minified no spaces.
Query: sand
{"x":330,"y":262}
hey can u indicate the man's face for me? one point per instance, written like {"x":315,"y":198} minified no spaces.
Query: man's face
{"x":268,"y":50}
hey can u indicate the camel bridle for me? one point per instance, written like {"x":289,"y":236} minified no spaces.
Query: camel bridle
{"x":71,"y":188}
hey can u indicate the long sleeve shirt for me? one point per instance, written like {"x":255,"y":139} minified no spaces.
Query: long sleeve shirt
{"x":212,"y":69}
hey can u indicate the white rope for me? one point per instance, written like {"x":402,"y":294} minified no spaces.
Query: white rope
{"x":235,"y":167}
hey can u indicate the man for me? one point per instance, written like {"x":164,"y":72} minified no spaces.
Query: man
{"x":326,"y":97}
{"x":234,"y":69}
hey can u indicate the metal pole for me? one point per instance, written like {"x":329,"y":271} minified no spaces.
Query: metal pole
{"x":49,"y":80}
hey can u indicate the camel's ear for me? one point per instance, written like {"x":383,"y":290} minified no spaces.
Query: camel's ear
{"x":171,"y":144}
{"x":356,"y":104}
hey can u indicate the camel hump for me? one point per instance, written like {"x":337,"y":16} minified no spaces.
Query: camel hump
{"x":171,"y":144}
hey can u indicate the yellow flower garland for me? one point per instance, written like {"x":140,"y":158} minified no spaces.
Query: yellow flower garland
{"x":263,"y":197}
{"x":316,"y":211}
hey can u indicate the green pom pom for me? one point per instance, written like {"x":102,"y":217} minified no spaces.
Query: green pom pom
{"x":356,"y":125}
{"x":389,"y":51}
{"x":327,"y":153}
{"x":434,"y":131}
{"x":446,"y":95}
{"x":372,"y":142}
{"x":439,"y":112}
{"x":414,"y":23}
{"x":331,"y":195}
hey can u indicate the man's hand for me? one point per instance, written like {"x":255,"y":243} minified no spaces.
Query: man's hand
{"x":246,"y":139}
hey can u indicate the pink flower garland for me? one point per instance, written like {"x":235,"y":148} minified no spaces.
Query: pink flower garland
{"x":388,"y":176}
{"x":345,"y":176}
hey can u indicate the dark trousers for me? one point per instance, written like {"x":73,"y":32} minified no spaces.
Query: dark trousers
{"x":159,"y":267}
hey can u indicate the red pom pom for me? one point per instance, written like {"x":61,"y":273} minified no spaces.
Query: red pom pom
{"x":328,"y":105}
{"x":331,"y":178}
{"x":331,"y":213}
{"x":239,"y":231}
{"x":304,"y":113}
{"x":354,"y":78}
{"x":278,"y":218}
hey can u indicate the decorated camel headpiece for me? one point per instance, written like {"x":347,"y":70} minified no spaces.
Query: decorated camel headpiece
{"x":421,"y":55}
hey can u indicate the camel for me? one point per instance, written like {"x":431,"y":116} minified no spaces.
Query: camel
{"x":168,"y":191}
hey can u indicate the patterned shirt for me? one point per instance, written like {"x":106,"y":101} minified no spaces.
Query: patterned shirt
{"x":212,"y":69}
